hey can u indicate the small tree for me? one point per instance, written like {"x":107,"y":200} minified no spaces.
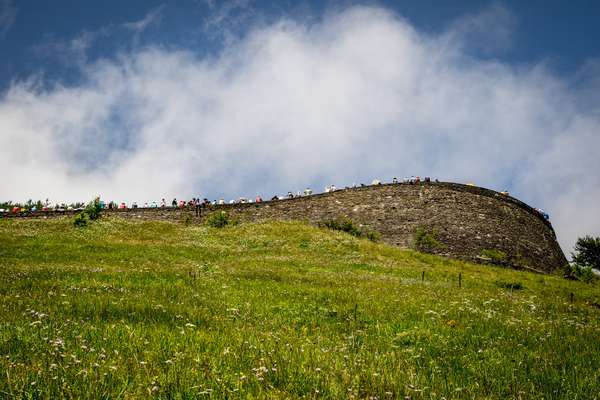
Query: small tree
{"x":80,"y":220}
{"x":91,"y":212}
{"x":93,"y":209}
{"x":587,"y":252}
{"x":218,"y":219}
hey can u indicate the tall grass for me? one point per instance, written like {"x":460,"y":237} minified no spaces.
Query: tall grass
{"x":277,"y":310}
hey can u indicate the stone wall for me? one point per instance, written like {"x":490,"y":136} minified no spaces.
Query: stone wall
{"x":467,"y":220}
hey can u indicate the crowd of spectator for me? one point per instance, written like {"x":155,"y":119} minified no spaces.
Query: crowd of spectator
{"x":200,"y":204}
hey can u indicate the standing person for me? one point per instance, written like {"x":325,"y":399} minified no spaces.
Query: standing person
{"x":197,"y":205}
{"x":174,"y":202}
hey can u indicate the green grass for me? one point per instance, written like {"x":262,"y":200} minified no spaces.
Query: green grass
{"x":277,"y":310}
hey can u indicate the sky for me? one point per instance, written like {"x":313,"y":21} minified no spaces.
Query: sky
{"x":143,"y":100}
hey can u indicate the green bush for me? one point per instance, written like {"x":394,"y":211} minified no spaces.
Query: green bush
{"x":90,"y":213}
{"x":218,"y":219}
{"x":373,"y":236}
{"x":346,"y":225}
{"x":578,"y":272}
{"x":426,"y":240}
{"x":93,"y":209}
{"x":80,"y":220}
{"x":494,"y":255}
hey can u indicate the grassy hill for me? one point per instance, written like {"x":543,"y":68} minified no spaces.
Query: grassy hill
{"x":125,"y":309}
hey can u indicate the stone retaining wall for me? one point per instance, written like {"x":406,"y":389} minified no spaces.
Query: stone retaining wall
{"x":468,"y":221}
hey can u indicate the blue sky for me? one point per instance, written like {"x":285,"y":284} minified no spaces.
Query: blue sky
{"x":141,"y":100}
{"x":563,"y":34}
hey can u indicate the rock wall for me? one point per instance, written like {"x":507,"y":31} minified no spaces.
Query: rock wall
{"x":466,"y":221}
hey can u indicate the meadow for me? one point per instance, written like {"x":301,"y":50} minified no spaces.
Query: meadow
{"x":132,"y":309}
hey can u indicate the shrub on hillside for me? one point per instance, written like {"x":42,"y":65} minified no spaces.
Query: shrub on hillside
{"x":93,"y":209}
{"x":578,"y":272}
{"x":585,"y":257}
{"x":80,"y":220}
{"x":90,"y":213}
{"x":426,"y":240}
{"x":346,"y":225}
{"x":494,"y":255}
{"x":373,"y":236}
{"x":218,"y":219}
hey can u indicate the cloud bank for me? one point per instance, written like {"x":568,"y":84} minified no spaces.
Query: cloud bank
{"x":357,"y":96}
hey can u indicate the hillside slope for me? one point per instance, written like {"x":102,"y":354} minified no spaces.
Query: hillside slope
{"x":278,"y":310}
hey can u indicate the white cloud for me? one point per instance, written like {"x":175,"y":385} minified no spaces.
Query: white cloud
{"x":72,"y":52}
{"x":360,"y":95}
{"x":486,"y":33}
{"x":225,"y":19}
{"x":152,"y":17}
